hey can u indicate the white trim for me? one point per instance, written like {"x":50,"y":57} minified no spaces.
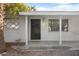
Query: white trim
{"x":60,"y":26}
{"x":26,"y":29}
{"x":50,"y":13}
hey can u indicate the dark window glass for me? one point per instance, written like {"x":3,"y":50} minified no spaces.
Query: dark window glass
{"x":53,"y":25}
{"x":65,"y":25}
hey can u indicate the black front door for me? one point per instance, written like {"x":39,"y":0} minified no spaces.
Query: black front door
{"x":35,"y":29}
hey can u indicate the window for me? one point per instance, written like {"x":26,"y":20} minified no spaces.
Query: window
{"x":65,"y":25}
{"x":53,"y":25}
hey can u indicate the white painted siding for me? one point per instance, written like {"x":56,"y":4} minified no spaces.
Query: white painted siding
{"x":71,"y":35}
{"x":45,"y":34}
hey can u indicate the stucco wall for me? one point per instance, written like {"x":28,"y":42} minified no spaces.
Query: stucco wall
{"x":11,"y":35}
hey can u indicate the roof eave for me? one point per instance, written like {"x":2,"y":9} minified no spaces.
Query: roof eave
{"x":50,"y":13}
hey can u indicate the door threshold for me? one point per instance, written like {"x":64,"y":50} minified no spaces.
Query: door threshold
{"x":34,"y":40}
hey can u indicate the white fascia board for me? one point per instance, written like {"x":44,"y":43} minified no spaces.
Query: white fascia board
{"x":51,"y":13}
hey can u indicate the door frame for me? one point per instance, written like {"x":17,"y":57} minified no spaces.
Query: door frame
{"x":30,"y":27}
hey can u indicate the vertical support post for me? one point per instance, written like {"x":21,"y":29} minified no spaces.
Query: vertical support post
{"x":26,"y":29}
{"x":60,"y":26}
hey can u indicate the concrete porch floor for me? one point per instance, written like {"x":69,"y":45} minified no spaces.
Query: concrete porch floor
{"x":73,"y":44}
{"x":47,"y":48}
